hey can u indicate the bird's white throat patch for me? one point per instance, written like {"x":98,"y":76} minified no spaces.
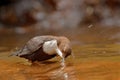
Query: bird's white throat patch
{"x":50,"y":47}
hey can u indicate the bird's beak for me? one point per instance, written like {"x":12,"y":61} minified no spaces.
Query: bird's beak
{"x":59,"y":52}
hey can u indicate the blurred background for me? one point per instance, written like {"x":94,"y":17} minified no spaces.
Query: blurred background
{"x":57,"y":14}
{"x":93,"y":26}
{"x":88,"y":20}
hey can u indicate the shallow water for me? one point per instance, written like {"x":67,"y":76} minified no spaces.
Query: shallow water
{"x":96,"y":56}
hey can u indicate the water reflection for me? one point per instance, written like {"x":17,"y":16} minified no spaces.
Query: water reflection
{"x":21,"y":69}
{"x":85,"y":65}
{"x":96,"y":57}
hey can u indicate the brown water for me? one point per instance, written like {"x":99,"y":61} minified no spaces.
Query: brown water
{"x":96,"y":56}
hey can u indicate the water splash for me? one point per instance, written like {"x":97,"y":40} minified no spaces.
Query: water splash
{"x":61,"y":72}
{"x":63,"y":66}
{"x":61,"y":55}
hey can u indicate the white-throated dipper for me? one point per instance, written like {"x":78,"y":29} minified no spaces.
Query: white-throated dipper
{"x":42,"y":48}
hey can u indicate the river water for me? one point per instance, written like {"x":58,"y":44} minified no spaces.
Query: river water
{"x":95,"y":56}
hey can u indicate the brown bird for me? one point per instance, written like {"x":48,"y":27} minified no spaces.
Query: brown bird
{"x":42,"y":48}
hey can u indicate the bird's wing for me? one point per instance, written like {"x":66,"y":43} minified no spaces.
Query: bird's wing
{"x":33,"y":45}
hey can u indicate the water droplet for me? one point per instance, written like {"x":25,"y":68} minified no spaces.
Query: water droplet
{"x":65,"y":76}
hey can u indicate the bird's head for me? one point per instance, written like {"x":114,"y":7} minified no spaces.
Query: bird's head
{"x":66,"y":50}
{"x":65,"y":46}
{"x":53,"y":46}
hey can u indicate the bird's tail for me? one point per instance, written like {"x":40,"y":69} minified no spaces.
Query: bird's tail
{"x":15,"y":53}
